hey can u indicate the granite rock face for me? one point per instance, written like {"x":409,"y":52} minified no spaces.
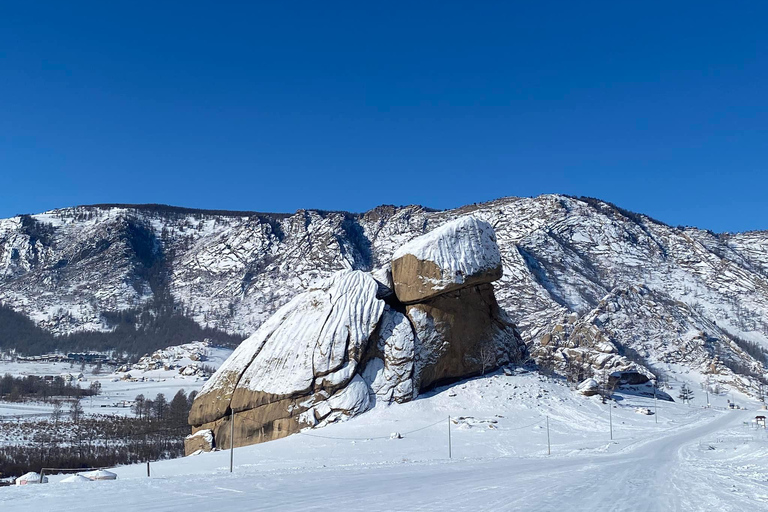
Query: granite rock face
{"x":334,"y":351}
{"x":306,"y":354}
{"x":461,"y":333}
{"x":454,"y":256}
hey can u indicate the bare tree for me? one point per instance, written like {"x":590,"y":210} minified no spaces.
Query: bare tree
{"x":57,"y":411}
{"x":487,"y":356}
{"x":75,"y":411}
{"x":607,"y":386}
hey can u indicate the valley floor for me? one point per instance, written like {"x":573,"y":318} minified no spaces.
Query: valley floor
{"x":693,"y":459}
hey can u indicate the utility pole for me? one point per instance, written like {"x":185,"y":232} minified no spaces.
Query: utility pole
{"x":231,"y":439}
{"x":449,"y":438}
{"x":549,"y":446}
{"x":610,"y":419}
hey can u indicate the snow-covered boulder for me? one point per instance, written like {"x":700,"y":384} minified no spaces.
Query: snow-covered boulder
{"x":200,"y":440}
{"x":589,"y":387}
{"x":390,"y":371}
{"x":458,"y":254}
{"x":306,"y":354}
{"x":335,"y":350}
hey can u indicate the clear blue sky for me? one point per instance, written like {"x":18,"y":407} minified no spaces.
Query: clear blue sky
{"x":660,"y":107}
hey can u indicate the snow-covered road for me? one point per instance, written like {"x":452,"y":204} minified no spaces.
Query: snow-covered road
{"x":662,"y":474}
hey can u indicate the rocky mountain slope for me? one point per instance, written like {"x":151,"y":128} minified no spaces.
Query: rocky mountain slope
{"x":588,"y":284}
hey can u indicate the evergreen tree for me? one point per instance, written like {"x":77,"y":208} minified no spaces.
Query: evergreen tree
{"x":138,"y":406}
{"x":179,"y":409}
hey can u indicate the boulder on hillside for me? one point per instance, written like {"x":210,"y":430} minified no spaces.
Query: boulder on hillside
{"x":456,"y":255}
{"x":589,"y":387}
{"x":304,"y":354}
{"x":202,"y":440}
{"x":334,"y":351}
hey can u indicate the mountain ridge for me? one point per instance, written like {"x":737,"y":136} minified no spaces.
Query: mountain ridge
{"x":227,"y":270}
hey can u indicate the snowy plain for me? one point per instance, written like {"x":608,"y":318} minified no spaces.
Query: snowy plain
{"x":694,"y":458}
{"x":116,"y":393}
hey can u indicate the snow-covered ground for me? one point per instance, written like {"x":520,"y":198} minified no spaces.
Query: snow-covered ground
{"x":693,"y":458}
{"x":117,"y":391}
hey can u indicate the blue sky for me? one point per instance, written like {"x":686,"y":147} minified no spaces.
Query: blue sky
{"x":660,"y":107}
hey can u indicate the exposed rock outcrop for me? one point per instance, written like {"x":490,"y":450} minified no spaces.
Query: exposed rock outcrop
{"x":335,"y":350}
{"x":460,"y":333}
{"x":202,"y":440}
{"x":456,"y":255}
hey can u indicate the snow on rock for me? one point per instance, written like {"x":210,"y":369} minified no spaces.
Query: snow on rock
{"x":233,"y":270}
{"x":309,"y":349}
{"x":334,"y":350}
{"x":202,"y":440}
{"x":460,"y":253}
{"x":383,"y":277}
{"x":350,"y":401}
{"x":324,"y":332}
{"x":390,"y":373}
{"x":588,"y":387}
{"x":189,"y":359}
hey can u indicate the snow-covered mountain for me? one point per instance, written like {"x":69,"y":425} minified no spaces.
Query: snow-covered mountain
{"x":589,"y":284}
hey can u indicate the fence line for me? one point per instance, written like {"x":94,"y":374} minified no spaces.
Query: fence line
{"x":371,"y":437}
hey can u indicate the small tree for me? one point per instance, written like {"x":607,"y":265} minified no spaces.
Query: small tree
{"x":686,"y":394}
{"x":161,"y":407}
{"x":178,"y":410}
{"x":606,"y":387}
{"x":148,"y":409}
{"x":138,"y":406}
{"x":487,"y":356}
{"x":95,"y":387}
{"x":57,"y":411}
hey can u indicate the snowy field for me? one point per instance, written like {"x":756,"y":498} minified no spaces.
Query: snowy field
{"x":115,"y":391}
{"x":693,"y":459}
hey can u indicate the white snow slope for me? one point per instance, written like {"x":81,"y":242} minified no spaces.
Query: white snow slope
{"x":693,"y":459}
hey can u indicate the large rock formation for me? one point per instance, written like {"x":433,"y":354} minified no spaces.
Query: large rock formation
{"x":459,"y":254}
{"x":335,"y":350}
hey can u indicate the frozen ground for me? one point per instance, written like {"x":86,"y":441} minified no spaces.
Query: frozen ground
{"x":693,"y":459}
{"x":114,"y":391}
